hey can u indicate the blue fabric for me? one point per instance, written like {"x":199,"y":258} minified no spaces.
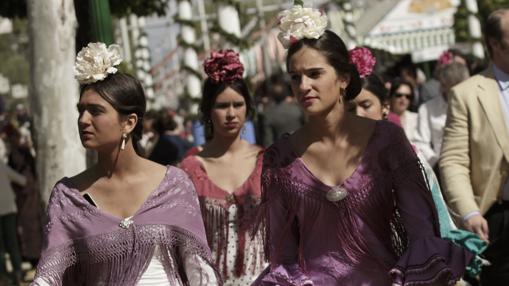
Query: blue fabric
{"x":448,"y":230}
{"x":198,"y":131}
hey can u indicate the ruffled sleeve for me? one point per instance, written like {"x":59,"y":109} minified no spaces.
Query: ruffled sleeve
{"x":428,"y":258}
{"x":284,"y":275}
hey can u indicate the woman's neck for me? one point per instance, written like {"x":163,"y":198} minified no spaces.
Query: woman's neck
{"x":119,"y":162}
{"x":221,"y":145}
{"x":328,"y":127}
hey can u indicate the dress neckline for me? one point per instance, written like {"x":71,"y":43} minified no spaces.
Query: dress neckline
{"x":114,"y":217}
{"x":237,"y":189}
{"x":356,"y":170}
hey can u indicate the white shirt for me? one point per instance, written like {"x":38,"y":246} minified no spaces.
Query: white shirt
{"x":430,"y":128}
{"x":409,"y":124}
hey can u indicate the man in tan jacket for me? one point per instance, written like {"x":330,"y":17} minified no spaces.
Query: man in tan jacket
{"x":475,"y":152}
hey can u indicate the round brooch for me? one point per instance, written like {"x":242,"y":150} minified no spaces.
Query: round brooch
{"x":336,"y":194}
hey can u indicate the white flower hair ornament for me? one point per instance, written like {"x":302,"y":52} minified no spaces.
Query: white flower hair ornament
{"x":96,"y":61}
{"x":299,"y":22}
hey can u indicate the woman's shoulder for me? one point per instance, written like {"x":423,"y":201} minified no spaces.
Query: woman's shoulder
{"x":80,"y":181}
{"x":189,"y":163}
{"x":279,"y":153}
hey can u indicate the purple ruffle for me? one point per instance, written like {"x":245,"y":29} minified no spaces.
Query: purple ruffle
{"x":288,"y":275}
{"x":428,"y":260}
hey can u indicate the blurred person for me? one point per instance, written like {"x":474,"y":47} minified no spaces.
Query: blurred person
{"x":431,"y":88}
{"x":125,"y":220}
{"x":331,"y":188}
{"x":29,"y":204}
{"x":226,"y":172}
{"x":284,"y":116}
{"x":409,"y":73}
{"x":432,"y":114}
{"x":170,"y":147}
{"x":150,"y":135}
{"x":401,"y":95}
{"x":8,"y":225}
{"x":474,"y":160}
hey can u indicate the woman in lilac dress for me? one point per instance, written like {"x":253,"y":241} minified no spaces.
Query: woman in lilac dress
{"x":124,"y":220}
{"x":226,"y":172}
{"x":332,"y":191}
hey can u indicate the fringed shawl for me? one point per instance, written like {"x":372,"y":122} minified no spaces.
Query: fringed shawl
{"x":216,"y":210}
{"x":86,"y":246}
{"x":359,"y":240}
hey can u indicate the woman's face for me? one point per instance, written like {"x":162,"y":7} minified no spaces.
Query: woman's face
{"x":400,"y":100}
{"x":366,"y":104}
{"x":99,"y":124}
{"x":228,"y":113}
{"x":314,"y":81}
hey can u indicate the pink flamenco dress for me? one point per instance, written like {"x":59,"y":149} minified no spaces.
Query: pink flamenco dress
{"x":228,"y":218}
{"x":379,"y":227}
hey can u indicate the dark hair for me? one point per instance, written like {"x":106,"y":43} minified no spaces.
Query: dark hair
{"x":334,"y":50}
{"x":125,"y":94}
{"x":278,"y":87}
{"x":493,"y":28}
{"x":164,"y":122}
{"x":374,"y":84}
{"x":211,"y":90}
{"x":396,"y":83}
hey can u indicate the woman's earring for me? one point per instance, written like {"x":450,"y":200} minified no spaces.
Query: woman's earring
{"x":124,"y":139}
{"x":385,"y":113}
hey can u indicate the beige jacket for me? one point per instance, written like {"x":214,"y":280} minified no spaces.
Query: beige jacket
{"x":475,"y":153}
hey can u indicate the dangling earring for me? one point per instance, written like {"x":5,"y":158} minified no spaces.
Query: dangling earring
{"x":124,"y":139}
{"x":342,"y":93}
{"x":385,"y":113}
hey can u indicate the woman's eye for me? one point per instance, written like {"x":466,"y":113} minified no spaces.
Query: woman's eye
{"x":221,"y":105}
{"x":238,"y":104}
{"x":315,"y":74}
{"x":295,"y":78}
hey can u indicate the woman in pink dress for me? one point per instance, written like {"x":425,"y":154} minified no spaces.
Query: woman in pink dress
{"x":226,"y":172}
{"x":333,"y":189}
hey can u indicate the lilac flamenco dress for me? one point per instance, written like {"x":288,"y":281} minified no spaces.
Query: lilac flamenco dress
{"x":86,"y":246}
{"x":384,"y":232}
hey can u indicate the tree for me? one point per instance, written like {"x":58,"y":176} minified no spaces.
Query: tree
{"x":18,"y":8}
{"x":54,"y":92}
{"x":52,"y":27}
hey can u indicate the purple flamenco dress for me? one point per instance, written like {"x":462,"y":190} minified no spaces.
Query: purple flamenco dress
{"x":384,"y":232}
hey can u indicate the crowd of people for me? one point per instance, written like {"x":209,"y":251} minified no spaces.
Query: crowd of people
{"x":328,"y":174}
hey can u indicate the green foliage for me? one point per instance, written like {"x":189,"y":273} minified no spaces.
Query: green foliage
{"x":298,"y":2}
{"x":121,"y":8}
{"x":488,"y":6}
{"x":13,"y":9}
{"x":14,"y":54}
{"x":18,"y":8}
{"x":461,"y":17}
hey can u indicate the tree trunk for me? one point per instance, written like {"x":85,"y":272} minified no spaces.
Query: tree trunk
{"x":54,"y":91}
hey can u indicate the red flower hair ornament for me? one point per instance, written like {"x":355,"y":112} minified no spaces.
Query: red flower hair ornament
{"x":223,"y":66}
{"x":363,"y":59}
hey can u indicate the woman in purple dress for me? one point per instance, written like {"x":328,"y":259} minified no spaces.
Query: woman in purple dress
{"x":124,"y":220}
{"x":344,"y":198}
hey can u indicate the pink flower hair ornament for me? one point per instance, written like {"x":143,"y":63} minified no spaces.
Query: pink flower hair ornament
{"x":223,"y":66}
{"x":445,"y":58}
{"x":363,"y":60}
